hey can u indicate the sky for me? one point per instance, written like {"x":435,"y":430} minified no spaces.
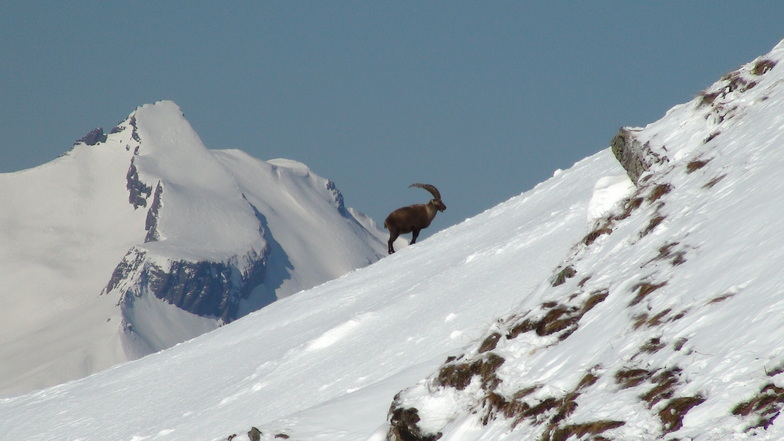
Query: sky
{"x":482,"y":99}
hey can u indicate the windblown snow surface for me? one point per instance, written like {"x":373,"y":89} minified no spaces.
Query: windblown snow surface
{"x":585,"y":308}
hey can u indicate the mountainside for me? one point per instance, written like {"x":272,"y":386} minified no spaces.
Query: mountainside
{"x":630,"y":302}
{"x":664,"y":321}
{"x":142,"y":238}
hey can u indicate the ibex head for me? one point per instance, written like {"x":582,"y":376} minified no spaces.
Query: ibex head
{"x":413,"y":218}
{"x":436,"y":195}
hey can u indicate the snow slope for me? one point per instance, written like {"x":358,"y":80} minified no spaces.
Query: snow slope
{"x":668,"y":322}
{"x":584,"y":307}
{"x":98,"y":246}
{"x":380,"y":328}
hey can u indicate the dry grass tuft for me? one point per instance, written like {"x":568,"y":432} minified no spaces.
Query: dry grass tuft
{"x":721,"y":298}
{"x":652,"y":346}
{"x":766,"y":406}
{"x":459,"y":375}
{"x":762,"y":67}
{"x":655,"y":221}
{"x":695,"y":165}
{"x":644,"y":289}
{"x":663,"y":388}
{"x":489,"y":343}
{"x":629,"y":205}
{"x":713,"y":182}
{"x":632,"y":377}
{"x":591,"y":237}
{"x":581,"y":430}
{"x":659,"y":191}
{"x":710,"y":138}
{"x":676,"y":409}
{"x":566,"y":273}
{"x":559,"y":318}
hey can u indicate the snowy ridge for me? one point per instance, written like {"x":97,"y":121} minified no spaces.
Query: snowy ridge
{"x":585,"y":308}
{"x":142,"y":238}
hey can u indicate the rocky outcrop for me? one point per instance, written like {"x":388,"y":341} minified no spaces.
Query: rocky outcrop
{"x":138,"y":191}
{"x":635,"y":157}
{"x":93,"y":137}
{"x":204,"y":288}
{"x":151,"y":223}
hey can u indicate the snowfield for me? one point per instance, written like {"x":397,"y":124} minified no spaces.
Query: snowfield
{"x":587,"y":307}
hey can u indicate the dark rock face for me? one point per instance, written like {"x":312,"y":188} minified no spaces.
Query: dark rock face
{"x":93,"y":137}
{"x":338,"y":198}
{"x":135,"y":132}
{"x":634,"y":156}
{"x":151,"y":223}
{"x":138,"y":190}
{"x":204,"y":288}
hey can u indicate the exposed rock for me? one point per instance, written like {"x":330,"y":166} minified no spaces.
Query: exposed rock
{"x":635,"y":157}
{"x":151,"y":223}
{"x":93,"y":137}
{"x":207,"y":289}
{"x":254,"y":434}
{"x":138,"y":190}
{"x":403,"y":426}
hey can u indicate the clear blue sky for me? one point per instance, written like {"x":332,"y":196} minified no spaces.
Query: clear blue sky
{"x":482,"y":99}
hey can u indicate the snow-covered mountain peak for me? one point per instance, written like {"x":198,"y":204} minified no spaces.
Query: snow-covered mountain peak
{"x":143,"y":238}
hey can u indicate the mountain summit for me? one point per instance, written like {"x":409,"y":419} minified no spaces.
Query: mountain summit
{"x":635,"y":296}
{"x":141,"y":238}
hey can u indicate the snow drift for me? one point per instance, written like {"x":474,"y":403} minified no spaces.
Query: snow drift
{"x":585,"y":308}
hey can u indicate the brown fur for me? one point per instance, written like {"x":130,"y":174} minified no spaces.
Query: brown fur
{"x":413,"y":218}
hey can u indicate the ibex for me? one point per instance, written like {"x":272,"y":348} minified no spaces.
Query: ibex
{"x":413,"y":218}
